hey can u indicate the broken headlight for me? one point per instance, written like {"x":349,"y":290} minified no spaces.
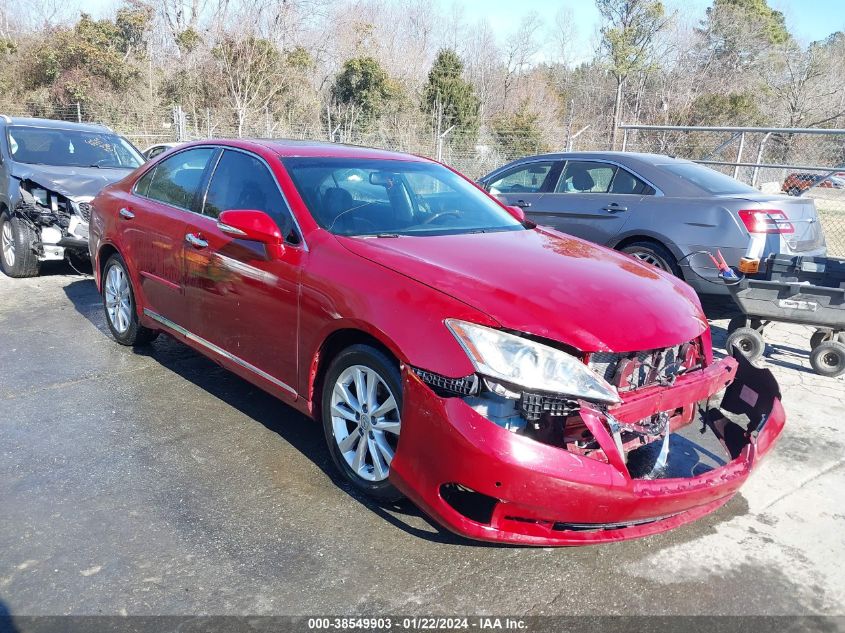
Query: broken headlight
{"x":534,"y":366}
{"x":41,"y":196}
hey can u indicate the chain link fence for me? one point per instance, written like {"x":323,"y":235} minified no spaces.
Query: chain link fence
{"x":809,"y":163}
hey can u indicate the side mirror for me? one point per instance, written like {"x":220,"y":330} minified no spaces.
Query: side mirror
{"x":519,"y":214}
{"x":252,"y":225}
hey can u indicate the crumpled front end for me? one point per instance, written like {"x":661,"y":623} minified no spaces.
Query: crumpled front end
{"x":61,"y":223}
{"x":540,"y":469}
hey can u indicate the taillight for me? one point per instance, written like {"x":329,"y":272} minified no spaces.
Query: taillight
{"x":766,"y":221}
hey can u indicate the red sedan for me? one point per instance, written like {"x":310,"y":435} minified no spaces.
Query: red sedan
{"x":517,"y":384}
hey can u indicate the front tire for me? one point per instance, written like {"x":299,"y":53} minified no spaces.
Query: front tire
{"x":120,"y":307}
{"x":17,"y":258}
{"x":361,"y":412}
{"x":655,"y":254}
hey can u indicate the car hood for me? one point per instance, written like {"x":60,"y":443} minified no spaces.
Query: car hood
{"x":550,"y":285}
{"x":71,"y":182}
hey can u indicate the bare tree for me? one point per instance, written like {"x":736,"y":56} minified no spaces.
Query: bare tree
{"x":627,"y":37}
{"x":250,"y":68}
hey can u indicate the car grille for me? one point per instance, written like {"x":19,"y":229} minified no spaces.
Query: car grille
{"x":85,"y":211}
{"x":635,"y":370}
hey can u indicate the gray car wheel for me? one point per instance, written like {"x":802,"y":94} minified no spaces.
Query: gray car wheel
{"x":17,"y":257}
{"x":655,"y":254}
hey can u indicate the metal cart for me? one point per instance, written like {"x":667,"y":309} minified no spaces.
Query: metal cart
{"x":805,"y":290}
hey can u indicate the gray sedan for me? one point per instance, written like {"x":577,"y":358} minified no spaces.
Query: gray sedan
{"x":660,"y":209}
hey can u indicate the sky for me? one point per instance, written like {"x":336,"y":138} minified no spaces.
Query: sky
{"x":807,"y":20}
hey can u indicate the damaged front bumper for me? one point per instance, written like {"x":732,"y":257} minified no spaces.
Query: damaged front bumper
{"x":485,"y":482}
{"x":60,"y":223}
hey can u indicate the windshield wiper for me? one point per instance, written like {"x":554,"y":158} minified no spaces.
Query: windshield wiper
{"x":387,"y":235}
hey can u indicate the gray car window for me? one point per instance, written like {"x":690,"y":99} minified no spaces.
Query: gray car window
{"x":585,"y":177}
{"x":707,"y":179}
{"x":526,"y":179}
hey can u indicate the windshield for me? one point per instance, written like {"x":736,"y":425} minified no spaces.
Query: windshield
{"x":393,"y":197}
{"x":707,"y":179}
{"x":71,"y":148}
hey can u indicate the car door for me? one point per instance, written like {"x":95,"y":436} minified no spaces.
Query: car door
{"x":523,"y":185}
{"x":592,"y":200}
{"x":152,"y":227}
{"x":242,"y":299}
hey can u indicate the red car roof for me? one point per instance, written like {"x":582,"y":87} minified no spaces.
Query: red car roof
{"x":309,"y":148}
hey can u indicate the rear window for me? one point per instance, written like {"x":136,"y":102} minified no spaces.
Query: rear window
{"x":707,"y":179}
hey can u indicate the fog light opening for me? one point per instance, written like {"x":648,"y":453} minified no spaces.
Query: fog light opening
{"x":473,"y":505}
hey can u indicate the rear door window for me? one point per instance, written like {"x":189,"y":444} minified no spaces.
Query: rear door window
{"x":585,"y":177}
{"x":176,"y":180}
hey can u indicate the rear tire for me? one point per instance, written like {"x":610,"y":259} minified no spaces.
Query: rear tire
{"x":655,"y":254}
{"x":828,"y":359}
{"x":362,"y":437}
{"x":748,"y":341}
{"x":17,"y":257}
{"x":120,"y":307}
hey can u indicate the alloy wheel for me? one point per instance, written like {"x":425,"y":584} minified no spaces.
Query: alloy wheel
{"x":650,"y":258}
{"x":118,"y":299}
{"x":365,"y":422}
{"x":8,"y":244}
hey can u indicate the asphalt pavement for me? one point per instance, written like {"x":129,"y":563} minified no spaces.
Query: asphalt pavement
{"x":155,"y":482}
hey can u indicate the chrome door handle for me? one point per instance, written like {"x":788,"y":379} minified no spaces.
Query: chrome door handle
{"x":126,"y":213}
{"x":614,"y":208}
{"x":195,"y":241}
{"x":522,"y":204}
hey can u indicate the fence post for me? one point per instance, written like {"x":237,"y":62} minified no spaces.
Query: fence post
{"x":625,"y":139}
{"x":78,"y":112}
{"x":739,"y":153}
{"x":179,"y":122}
{"x":759,"y":158}
{"x":440,"y":143}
